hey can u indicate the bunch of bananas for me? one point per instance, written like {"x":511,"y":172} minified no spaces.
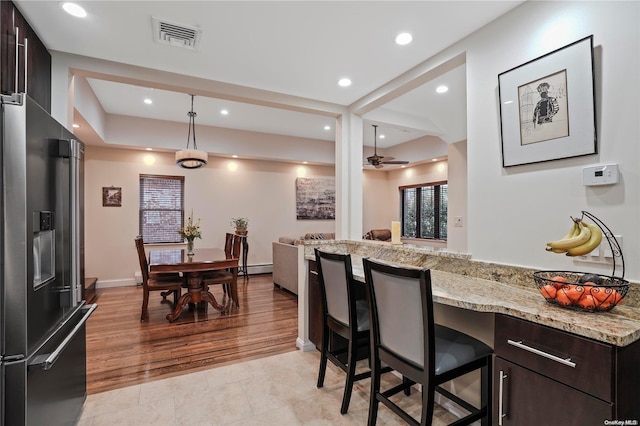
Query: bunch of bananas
{"x":581,"y":240}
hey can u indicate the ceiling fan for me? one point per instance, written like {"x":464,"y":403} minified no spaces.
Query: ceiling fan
{"x":376,"y":160}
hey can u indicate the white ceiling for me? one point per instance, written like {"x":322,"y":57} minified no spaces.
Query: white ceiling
{"x":299,"y":48}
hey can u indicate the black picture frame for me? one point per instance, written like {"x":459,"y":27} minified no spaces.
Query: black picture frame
{"x":547,"y":106}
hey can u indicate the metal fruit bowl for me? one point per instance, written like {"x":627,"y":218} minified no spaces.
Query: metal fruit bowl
{"x":566,"y":289}
{"x":589,"y":293}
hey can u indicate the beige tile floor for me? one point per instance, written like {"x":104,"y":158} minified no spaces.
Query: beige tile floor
{"x":278,"y":390}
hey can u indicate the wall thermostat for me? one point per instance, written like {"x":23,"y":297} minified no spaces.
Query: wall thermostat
{"x":604,"y":174}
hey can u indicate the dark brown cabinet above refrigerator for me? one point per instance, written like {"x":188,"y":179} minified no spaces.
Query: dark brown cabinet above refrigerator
{"x":17,"y":70}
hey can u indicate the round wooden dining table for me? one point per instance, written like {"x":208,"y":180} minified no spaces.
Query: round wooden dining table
{"x":193,"y":267}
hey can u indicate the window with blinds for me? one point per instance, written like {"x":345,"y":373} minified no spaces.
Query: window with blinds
{"x":161,"y":208}
{"x":424,"y":210}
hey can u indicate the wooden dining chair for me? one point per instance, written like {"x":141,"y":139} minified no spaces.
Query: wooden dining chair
{"x":228,"y":278}
{"x":343,"y":315}
{"x":165,"y":283}
{"x":405,"y":338}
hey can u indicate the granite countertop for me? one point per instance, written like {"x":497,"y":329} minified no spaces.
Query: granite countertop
{"x":619,"y":327}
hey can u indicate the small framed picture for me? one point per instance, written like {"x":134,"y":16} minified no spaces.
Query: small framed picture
{"x":111,"y":196}
{"x":547,"y":107}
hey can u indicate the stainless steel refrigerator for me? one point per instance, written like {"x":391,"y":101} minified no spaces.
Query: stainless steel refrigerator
{"x":42,"y":320}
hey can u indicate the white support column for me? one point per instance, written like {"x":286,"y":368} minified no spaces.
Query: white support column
{"x":349,"y":136}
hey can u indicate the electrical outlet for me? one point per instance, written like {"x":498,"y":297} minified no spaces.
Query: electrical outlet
{"x":606,"y":250}
{"x":602,"y":254}
{"x":457,"y":221}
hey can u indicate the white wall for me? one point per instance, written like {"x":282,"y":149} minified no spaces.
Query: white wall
{"x":377,"y":211}
{"x":263,"y":191}
{"x":514,"y":211}
{"x":457,"y":196}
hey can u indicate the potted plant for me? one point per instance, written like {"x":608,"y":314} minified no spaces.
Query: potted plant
{"x":241,"y":224}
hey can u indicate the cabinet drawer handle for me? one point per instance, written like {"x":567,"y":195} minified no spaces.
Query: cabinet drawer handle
{"x":501,"y":415}
{"x":520,"y":345}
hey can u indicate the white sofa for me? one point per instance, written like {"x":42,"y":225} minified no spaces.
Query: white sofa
{"x":287,"y":256}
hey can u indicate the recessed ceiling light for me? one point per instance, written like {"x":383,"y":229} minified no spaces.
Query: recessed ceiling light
{"x":224,"y":112}
{"x":148,"y":101}
{"x":381,"y":137}
{"x":327,"y":127}
{"x":76,"y":126}
{"x":305,"y":162}
{"x":149,"y":149}
{"x":73,"y":9}
{"x":344,"y":82}
{"x":234,"y":156}
{"x":442,"y":89}
{"x":403,"y":38}
{"x":435,"y":159}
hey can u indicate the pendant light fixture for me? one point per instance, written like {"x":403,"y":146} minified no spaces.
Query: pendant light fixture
{"x":191,"y":158}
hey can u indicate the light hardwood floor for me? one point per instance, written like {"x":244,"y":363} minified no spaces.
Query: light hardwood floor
{"x":122,"y":351}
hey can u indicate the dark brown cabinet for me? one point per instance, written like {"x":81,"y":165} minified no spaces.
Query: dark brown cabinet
{"x":315,"y":307}
{"x":548,"y":376}
{"x":17,"y":70}
{"x":529,"y":398}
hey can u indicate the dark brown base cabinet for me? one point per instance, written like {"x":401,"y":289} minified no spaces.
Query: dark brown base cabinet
{"x":544,"y":376}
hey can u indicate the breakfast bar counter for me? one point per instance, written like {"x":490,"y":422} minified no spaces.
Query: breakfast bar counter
{"x":481,"y":287}
{"x":581,"y":366}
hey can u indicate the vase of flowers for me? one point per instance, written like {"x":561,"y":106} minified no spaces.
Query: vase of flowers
{"x":190,"y":232}
{"x":240,"y":224}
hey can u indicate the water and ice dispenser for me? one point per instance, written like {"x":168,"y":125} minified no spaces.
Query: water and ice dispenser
{"x":44,"y":248}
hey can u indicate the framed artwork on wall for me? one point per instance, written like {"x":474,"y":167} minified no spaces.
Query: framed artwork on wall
{"x":547,"y":106}
{"x":315,"y":198}
{"x":111,"y":196}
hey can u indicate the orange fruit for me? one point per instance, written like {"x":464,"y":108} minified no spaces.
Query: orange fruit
{"x":558,"y":281}
{"x":588,"y":286}
{"x":562,"y":298}
{"x":548,"y":291}
{"x":617,"y":297}
{"x":574,"y":292}
{"x":603,"y":306}
{"x":603,"y":294}
{"x":587,"y":302}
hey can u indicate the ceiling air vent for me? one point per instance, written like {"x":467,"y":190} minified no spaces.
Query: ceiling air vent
{"x":175,"y":34}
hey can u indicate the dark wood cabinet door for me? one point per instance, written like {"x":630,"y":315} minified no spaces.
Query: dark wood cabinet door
{"x":531,"y":399}
{"x":37,"y":62}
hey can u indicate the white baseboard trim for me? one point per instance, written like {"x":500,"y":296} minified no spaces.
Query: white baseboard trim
{"x":452,"y":407}
{"x":304,"y":346}
{"x":123,"y":282}
{"x":260,"y":269}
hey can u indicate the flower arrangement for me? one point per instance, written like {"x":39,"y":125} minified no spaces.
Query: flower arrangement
{"x":190,"y":231}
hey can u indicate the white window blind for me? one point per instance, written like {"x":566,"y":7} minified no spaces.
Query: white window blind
{"x":161,"y":208}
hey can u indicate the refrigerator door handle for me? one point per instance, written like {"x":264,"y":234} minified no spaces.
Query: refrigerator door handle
{"x":46,"y":361}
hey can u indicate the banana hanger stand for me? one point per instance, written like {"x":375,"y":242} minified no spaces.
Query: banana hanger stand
{"x":610,"y":284}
